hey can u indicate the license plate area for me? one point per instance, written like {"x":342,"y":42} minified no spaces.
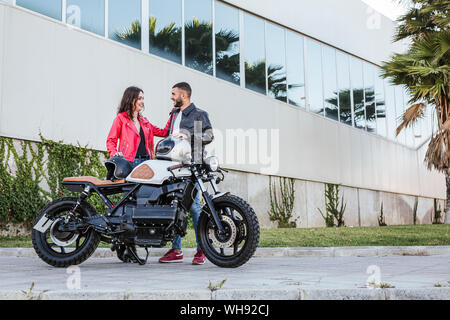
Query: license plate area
{"x":43,"y":224}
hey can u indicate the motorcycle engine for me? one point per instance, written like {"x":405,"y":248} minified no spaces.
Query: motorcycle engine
{"x":152,"y":225}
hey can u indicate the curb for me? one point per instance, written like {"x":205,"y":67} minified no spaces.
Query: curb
{"x":239,"y":294}
{"x":274,"y":252}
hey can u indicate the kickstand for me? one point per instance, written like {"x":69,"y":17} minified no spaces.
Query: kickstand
{"x":135,"y":256}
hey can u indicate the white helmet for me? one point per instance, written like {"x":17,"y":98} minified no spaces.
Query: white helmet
{"x":174,"y":149}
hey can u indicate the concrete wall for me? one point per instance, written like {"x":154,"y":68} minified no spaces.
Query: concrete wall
{"x":67,"y":83}
{"x":363,"y":206}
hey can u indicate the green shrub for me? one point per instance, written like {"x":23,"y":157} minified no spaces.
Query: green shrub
{"x":334,"y":209}
{"x":24,"y":170}
{"x":282,"y":202}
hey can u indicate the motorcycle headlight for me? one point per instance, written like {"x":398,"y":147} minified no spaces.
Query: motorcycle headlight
{"x":212,"y":163}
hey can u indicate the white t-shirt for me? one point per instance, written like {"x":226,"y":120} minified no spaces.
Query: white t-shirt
{"x":176,"y":125}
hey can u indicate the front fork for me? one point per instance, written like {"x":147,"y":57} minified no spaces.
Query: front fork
{"x":208,"y":200}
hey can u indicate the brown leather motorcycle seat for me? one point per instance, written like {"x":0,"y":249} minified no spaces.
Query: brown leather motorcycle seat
{"x":95,"y":181}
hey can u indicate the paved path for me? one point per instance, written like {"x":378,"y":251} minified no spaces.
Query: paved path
{"x":414,"y":277}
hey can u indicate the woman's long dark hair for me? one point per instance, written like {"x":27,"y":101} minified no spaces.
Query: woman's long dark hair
{"x":130,"y":96}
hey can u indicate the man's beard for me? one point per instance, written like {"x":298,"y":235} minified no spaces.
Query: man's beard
{"x":178,"y":104}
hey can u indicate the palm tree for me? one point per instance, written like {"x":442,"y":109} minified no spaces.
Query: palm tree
{"x":425,"y":71}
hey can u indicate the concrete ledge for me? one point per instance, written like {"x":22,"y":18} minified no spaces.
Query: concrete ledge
{"x":274,"y":252}
{"x":239,"y":294}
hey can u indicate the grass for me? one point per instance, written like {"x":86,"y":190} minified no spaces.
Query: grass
{"x":412,"y":235}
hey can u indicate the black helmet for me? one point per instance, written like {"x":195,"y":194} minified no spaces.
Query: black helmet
{"x":118,"y":168}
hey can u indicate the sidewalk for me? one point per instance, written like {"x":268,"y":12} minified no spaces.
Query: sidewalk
{"x":275,"y":252}
{"x":274,"y":273}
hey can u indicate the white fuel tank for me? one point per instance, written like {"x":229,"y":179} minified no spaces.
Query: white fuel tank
{"x":155,"y":172}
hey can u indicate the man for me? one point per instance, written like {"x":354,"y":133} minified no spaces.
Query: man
{"x":192,"y":123}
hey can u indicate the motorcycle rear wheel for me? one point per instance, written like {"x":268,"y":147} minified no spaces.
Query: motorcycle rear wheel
{"x":63,"y":249}
{"x":241,"y":239}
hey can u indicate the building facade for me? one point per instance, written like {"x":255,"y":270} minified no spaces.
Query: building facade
{"x":292,"y":89}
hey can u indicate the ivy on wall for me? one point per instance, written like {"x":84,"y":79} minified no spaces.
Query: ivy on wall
{"x":25,"y":169}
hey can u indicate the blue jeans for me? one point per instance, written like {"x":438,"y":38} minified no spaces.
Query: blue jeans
{"x":195,"y":211}
{"x":137,"y":162}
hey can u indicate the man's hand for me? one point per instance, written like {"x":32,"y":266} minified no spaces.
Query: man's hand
{"x":118,"y":154}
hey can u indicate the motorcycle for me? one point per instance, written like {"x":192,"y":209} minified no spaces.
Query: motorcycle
{"x":157,"y":195}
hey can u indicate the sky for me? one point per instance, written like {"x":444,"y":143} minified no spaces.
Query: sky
{"x":389,"y":8}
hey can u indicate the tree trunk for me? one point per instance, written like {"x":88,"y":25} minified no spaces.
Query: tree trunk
{"x":447,"y":204}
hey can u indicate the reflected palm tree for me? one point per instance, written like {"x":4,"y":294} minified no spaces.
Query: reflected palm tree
{"x":370,"y":114}
{"x":130,"y":35}
{"x":198,"y":36}
{"x":166,"y":42}
{"x":255,"y":79}
{"x":198,"y":50}
{"x":227,"y":59}
{"x":198,"y":39}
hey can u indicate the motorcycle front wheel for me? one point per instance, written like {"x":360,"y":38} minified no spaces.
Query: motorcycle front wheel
{"x":63,"y":249}
{"x":240,"y":240}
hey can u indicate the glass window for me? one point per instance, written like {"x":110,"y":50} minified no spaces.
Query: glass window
{"x":276,"y":62}
{"x":255,"y":57}
{"x":369,"y":97}
{"x":314,"y":76}
{"x":87,"y":14}
{"x":356,"y":72}
{"x":345,"y":107}
{"x":399,"y":110}
{"x":50,"y":8}
{"x":409,"y":132}
{"x":198,"y":35}
{"x":165,"y":29}
{"x":380,"y":103}
{"x":390,"y":111}
{"x":295,"y":69}
{"x":227,"y":43}
{"x":330,"y":91}
{"x":124,"y":17}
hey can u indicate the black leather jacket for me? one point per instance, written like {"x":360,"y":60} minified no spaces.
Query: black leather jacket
{"x":195,"y":124}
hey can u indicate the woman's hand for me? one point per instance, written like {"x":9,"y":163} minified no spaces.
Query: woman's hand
{"x":180,"y":135}
{"x":118,"y":154}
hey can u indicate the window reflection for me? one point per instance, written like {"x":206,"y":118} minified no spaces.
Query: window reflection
{"x":409,"y":131}
{"x":330,"y":91}
{"x":124,"y":21}
{"x":87,"y":14}
{"x":227,"y":43}
{"x":255,"y":58}
{"x":345,"y":108}
{"x":390,"y":111}
{"x":380,"y":103}
{"x":165,"y":29}
{"x":369,"y":97}
{"x":198,"y":35}
{"x":399,"y":110}
{"x":356,"y":72}
{"x":314,"y":76}
{"x":50,"y":8}
{"x":295,"y":69}
{"x":276,"y":62}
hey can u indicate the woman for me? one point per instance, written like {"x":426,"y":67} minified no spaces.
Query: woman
{"x":134,"y":132}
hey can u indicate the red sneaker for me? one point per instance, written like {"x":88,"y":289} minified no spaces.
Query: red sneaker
{"x":173,"y":255}
{"x":199,"y":257}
